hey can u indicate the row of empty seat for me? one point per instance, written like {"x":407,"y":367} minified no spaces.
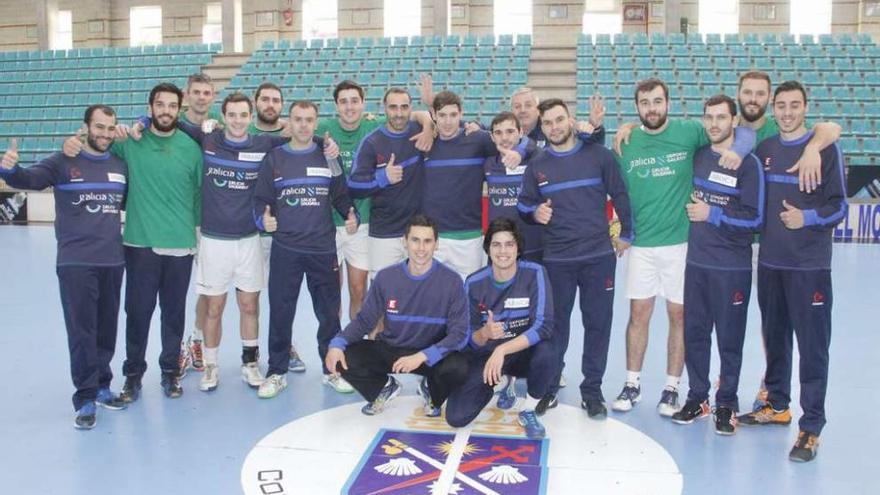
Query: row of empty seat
{"x":726,"y":39}
{"x":401,"y":41}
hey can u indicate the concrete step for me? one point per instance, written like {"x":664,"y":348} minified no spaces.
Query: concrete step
{"x":223,"y":67}
{"x":556,"y":80}
{"x":566,"y":67}
{"x":552,"y":53}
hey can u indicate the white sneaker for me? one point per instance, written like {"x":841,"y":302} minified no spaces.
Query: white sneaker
{"x":251,"y":374}
{"x":337,"y":383}
{"x":272,"y":386}
{"x":210,"y":378}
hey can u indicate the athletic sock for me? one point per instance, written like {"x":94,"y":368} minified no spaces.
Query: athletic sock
{"x":633,"y":377}
{"x":672,"y":382}
{"x":529,"y":403}
{"x":198,"y":334}
{"x":249,"y":351}
{"x":210,"y":354}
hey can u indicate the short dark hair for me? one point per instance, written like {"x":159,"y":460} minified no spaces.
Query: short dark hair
{"x":236,"y":97}
{"x":106,"y":110}
{"x":268,"y":85}
{"x":504,"y":224}
{"x":791,"y":86}
{"x":303,"y":104}
{"x":552,"y":102}
{"x":347,"y":84}
{"x":649,"y":84}
{"x":445,"y":98}
{"x":420,"y":220}
{"x":166,"y":88}
{"x":395,"y":90}
{"x":721,"y":99}
{"x":754,"y":74}
{"x":504,"y":117}
{"x":198,"y":77}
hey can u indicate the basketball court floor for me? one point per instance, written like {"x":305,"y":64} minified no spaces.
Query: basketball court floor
{"x":311,"y":440}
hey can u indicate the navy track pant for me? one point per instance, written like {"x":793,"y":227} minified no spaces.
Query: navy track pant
{"x":537,"y":365}
{"x":149,"y":275}
{"x":720,"y":299}
{"x":595,"y":279}
{"x":90,"y":300}
{"x":286,"y":271}
{"x":797,"y":302}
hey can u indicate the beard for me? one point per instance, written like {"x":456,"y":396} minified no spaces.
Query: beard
{"x":661,"y":121}
{"x":751,"y":117}
{"x":720,"y":138}
{"x":267,"y":119}
{"x":165,"y":128}
{"x":562,"y":141}
{"x":93,"y":143}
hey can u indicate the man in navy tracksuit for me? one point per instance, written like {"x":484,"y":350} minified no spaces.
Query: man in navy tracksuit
{"x":388,"y":168}
{"x":794,"y":271}
{"x":89,"y":192}
{"x":565,"y":189}
{"x":454,"y":178}
{"x":295,"y":190}
{"x":511,"y":317}
{"x":727,"y":209}
{"x":426,"y":324}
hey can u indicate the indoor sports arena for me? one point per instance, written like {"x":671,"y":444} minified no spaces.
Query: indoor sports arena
{"x":517,"y":247}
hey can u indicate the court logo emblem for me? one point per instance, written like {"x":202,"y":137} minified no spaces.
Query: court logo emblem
{"x":404,"y":462}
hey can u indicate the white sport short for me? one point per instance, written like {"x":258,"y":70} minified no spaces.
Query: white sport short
{"x":353,"y":248}
{"x":656,"y":271}
{"x":384,"y":253}
{"x":225,"y":262}
{"x":266,"y":248}
{"x":465,"y":256}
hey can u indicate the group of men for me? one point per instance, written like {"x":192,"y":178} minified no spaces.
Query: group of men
{"x":403,"y":211}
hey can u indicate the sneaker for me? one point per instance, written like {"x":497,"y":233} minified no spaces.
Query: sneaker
{"x":668,"y":404}
{"x":210,"y":379}
{"x":691,"y":412}
{"x":595,"y":408}
{"x":425,"y":394}
{"x":337,"y":383}
{"x":386,"y":395}
{"x":197,"y":359}
{"x":725,"y":421}
{"x":171,"y":386}
{"x":251,"y":374}
{"x":272,"y":386}
{"x":766,"y":416}
{"x":760,"y":399}
{"x":183,"y":360}
{"x":629,"y":397}
{"x":805,"y":448}
{"x":131,"y":391}
{"x":109,"y":400}
{"x":549,"y":401}
{"x":295,"y":364}
{"x":529,"y":421}
{"x":507,"y":394}
{"x":86,"y":417}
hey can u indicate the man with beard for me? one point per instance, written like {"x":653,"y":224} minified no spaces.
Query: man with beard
{"x":794,"y":272}
{"x":269,"y":101}
{"x":565,"y":190}
{"x":657,"y":165}
{"x":388,"y":168}
{"x":753,"y":96}
{"x":295,"y":190}
{"x":726,"y":209}
{"x":89,"y":191}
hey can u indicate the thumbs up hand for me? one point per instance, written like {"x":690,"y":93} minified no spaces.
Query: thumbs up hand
{"x":331,"y":149}
{"x":394,"y":172}
{"x":698,"y":211}
{"x":792,"y":217}
{"x":270,"y":223}
{"x":10,"y":158}
{"x":74,"y":144}
{"x":493,"y":329}
{"x":544,"y":213}
{"x":351,"y":222}
{"x":510,"y":158}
